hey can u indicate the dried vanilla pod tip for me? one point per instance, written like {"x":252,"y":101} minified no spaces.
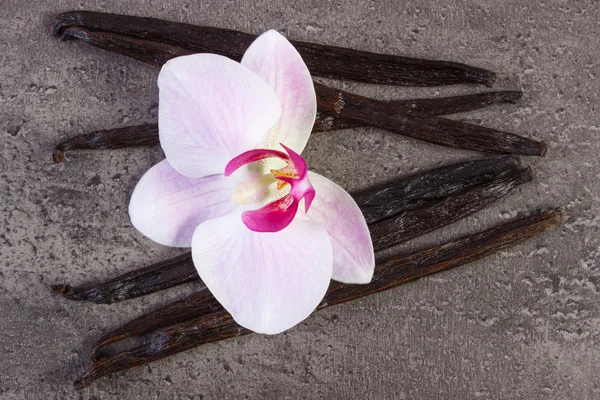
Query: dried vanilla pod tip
{"x":153,"y":278}
{"x":130,"y":136}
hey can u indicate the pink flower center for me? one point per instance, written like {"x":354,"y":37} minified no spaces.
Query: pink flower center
{"x":280,"y":212}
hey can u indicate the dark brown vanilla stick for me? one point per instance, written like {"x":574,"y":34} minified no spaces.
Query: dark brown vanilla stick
{"x":410,"y":224}
{"x":216,"y":324}
{"x":430,"y":189}
{"x":425,"y":188}
{"x":131,"y":136}
{"x":153,"y":53}
{"x":162,"y":275}
{"x":409,"y":267}
{"x":322,"y":60}
{"x":422,"y":126}
{"x":439,"y":106}
{"x":147,"y":135}
{"x":358,"y":109}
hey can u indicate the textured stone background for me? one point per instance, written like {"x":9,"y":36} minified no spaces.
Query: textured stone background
{"x":522,"y":324}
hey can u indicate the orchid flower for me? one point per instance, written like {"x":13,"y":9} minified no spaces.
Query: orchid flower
{"x":266,"y":234}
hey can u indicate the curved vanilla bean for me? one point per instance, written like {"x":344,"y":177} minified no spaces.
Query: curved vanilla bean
{"x":418,"y":191}
{"x":188,"y":308}
{"x":147,"y":135}
{"x":216,"y":324}
{"x":322,"y":60}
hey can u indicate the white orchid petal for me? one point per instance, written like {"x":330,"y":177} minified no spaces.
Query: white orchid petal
{"x":167,"y":207}
{"x":276,"y":60}
{"x":269,"y":282}
{"x":210,"y":110}
{"x":338,"y":213}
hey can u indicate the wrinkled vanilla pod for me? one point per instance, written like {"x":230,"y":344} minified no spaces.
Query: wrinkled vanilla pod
{"x":428,"y":201}
{"x":216,"y":324}
{"x":153,"y":278}
{"x":147,"y":135}
{"x":347,"y":106}
{"x":423,"y":189}
{"x":418,"y":125}
{"x":321,"y":60}
{"x":435,"y":106}
{"x":411,"y":224}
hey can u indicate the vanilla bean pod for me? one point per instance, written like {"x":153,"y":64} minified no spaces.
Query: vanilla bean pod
{"x":358,"y":109}
{"x":435,"y":106}
{"x":147,"y":135}
{"x":423,"y":189}
{"x":130,"y":136}
{"x":153,"y":53}
{"x":153,"y":278}
{"x":216,"y":324}
{"x":424,"y":127}
{"x":426,"y":190}
{"x":410,"y":224}
{"x":322,"y":60}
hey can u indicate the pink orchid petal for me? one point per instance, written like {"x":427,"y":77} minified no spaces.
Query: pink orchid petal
{"x":269,"y":282}
{"x":210,"y":110}
{"x":338,"y":213}
{"x":250,"y":157}
{"x":273,"y":217}
{"x":276,"y":60}
{"x":309,"y":196}
{"x":167,"y":207}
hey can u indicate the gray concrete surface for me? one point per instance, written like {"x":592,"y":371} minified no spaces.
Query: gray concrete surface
{"x":522,"y":324}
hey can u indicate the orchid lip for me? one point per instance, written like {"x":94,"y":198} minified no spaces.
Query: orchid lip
{"x":293,"y":185}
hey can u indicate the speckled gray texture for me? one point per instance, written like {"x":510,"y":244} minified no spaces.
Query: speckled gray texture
{"x":522,"y":324}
